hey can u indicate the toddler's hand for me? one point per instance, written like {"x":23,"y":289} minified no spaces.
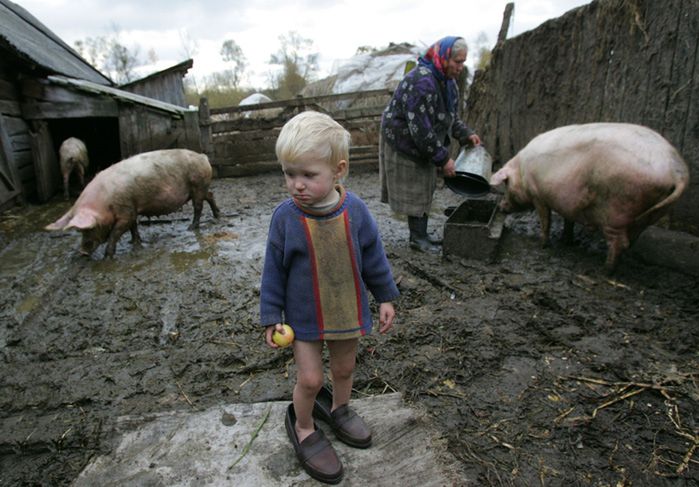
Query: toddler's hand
{"x":386,"y":315}
{"x":268,"y":334}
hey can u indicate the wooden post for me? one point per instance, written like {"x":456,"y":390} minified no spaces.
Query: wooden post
{"x":192,"y":133}
{"x":205,"y":133}
{"x":10,"y":182}
{"x":301,"y":107}
{"x":45,"y":161}
{"x":505,"y":26}
{"x":205,"y":125}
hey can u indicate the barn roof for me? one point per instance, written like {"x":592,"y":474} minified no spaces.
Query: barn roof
{"x":33,"y":42}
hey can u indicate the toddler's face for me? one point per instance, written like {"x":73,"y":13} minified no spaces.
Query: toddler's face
{"x":311,"y":182}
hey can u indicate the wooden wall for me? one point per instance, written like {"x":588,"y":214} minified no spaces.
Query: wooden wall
{"x":142,"y":129}
{"x":630,"y":61}
{"x":16,"y":166}
{"x":167,"y":85}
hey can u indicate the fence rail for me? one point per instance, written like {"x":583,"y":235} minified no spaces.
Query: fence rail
{"x":301,"y":101}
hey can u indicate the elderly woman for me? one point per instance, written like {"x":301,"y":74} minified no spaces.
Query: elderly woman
{"x":416,"y":127}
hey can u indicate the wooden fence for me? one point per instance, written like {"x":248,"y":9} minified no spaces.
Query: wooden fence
{"x":240,"y":140}
{"x":632,"y":61}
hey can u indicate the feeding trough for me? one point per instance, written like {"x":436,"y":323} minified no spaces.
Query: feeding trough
{"x":473,"y":229}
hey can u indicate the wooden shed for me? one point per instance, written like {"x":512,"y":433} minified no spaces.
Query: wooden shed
{"x":49,"y":93}
{"x":166,"y":85}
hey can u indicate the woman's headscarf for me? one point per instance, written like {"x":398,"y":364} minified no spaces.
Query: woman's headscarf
{"x":435,"y":59}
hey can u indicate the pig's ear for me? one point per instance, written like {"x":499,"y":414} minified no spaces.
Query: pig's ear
{"x":61,"y":223}
{"x":499,"y":177}
{"x":82,"y":220}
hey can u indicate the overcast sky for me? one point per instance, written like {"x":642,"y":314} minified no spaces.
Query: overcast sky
{"x":336,"y":27}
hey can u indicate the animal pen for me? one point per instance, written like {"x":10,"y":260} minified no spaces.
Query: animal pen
{"x":240,"y":140}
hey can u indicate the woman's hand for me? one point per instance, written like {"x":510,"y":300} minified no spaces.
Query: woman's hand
{"x":475,"y":140}
{"x":449,"y":169}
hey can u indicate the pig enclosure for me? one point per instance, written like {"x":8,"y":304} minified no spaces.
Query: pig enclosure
{"x":536,"y":369}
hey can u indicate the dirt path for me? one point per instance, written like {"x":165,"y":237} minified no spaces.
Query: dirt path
{"x":537,"y":369}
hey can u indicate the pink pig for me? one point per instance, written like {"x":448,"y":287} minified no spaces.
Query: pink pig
{"x":72,"y":157}
{"x":615,"y":176}
{"x":151,"y":183}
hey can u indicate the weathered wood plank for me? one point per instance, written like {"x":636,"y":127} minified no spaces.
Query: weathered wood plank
{"x":9,"y":107}
{"x":45,"y":162}
{"x":15,"y":125}
{"x":103,"y":107}
{"x":300,"y":101}
{"x":204,"y":125}
{"x":10,"y":183}
{"x":8,"y":91}
{"x":247,"y":124}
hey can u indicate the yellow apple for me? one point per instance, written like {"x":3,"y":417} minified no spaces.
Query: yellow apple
{"x":285,"y":339}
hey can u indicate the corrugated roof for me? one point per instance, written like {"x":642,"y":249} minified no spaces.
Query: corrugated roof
{"x":34,"y":42}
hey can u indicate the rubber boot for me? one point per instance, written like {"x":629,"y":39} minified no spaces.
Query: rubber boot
{"x":430,"y":238}
{"x":419,"y":240}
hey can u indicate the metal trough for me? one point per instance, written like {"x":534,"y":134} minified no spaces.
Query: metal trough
{"x":474,"y":229}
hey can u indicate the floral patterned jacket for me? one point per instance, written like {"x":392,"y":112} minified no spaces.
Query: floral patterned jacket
{"x":418,"y":123}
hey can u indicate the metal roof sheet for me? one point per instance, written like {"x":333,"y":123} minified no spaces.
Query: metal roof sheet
{"x":34,"y":42}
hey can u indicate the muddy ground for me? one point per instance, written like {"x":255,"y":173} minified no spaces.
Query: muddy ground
{"x":537,"y":369}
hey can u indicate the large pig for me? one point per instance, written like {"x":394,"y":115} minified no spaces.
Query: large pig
{"x":151,"y":183}
{"x":72,"y":156}
{"x":615,"y":176}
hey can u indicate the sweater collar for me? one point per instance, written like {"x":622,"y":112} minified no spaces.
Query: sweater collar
{"x":315,"y":212}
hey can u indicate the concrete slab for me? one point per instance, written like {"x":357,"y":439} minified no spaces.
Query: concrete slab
{"x":202,"y":447}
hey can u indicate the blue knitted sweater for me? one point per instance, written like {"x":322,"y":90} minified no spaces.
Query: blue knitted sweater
{"x":318,"y":268}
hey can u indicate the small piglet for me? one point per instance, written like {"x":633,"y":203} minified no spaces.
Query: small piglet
{"x":618,"y":177}
{"x":73,"y":157}
{"x":151,"y":183}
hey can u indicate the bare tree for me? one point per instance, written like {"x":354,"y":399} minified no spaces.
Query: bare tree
{"x":299,"y":64}
{"x":232,"y":53}
{"x":109,"y":55}
{"x":189,"y":47}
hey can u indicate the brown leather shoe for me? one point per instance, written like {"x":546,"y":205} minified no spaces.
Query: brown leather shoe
{"x":316,"y":454}
{"x":347,"y":425}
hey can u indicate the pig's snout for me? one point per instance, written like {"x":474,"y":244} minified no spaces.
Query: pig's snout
{"x":88,"y":246}
{"x":498,"y":189}
{"x":505,"y":205}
